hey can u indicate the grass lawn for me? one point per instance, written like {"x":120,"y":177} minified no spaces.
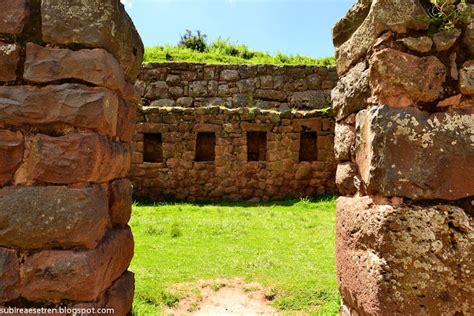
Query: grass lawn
{"x":286,"y":246}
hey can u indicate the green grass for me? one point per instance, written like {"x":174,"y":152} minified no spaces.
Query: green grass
{"x":287,"y":246}
{"x":229,"y":54}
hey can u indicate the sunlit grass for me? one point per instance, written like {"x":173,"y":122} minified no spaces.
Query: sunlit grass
{"x":235,"y":55}
{"x":287,"y":246}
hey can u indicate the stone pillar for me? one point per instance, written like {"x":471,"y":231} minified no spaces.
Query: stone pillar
{"x":67,"y":113}
{"x":405,"y":147}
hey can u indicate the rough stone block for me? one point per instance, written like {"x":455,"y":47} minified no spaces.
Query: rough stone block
{"x":406,"y":259}
{"x":345,"y":178}
{"x":71,"y":104}
{"x":309,"y":100}
{"x":9,"y":58}
{"x":344,"y":142}
{"x":127,"y":119}
{"x":271,"y":95}
{"x":399,"y":79}
{"x":13,"y":16}
{"x":466,"y":80}
{"x":95,"y":24}
{"x":95,"y":66}
{"x":9,"y":275}
{"x":120,"y":295}
{"x":120,"y":201}
{"x":82,"y":275}
{"x":409,"y":153}
{"x":11,"y":154}
{"x":358,"y":31}
{"x":74,"y":158}
{"x":351,"y":92}
{"x":230,"y":75}
{"x":48,"y":217}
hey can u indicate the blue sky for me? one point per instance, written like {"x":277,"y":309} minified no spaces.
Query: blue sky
{"x":290,"y":26}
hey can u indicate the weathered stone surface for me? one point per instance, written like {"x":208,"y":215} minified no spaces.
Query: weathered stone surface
{"x":345,"y":174}
{"x":466,"y":80}
{"x":71,"y":104}
{"x":351,"y":92}
{"x":347,"y":25}
{"x":271,"y":95}
{"x":309,"y":100}
{"x":446,"y":39}
{"x":468,"y":38}
{"x":120,"y":295}
{"x":398,"y":79}
{"x":409,"y":153}
{"x":384,"y":15}
{"x":120,"y":201}
{"x":56,"y":275}
{"x":127,"y":119}
{"x":74,"y":158}
{"x":344,"y":142}
{"x":420,"y":44}
{"x":13,"y":16}
{"x":95,"y":66}
{"x":11,"y":154}
{"x":48,"y":217}
{"x":94,"y":23}
{"x":9,"y":58}
{"x":230,"y":75}
{"x":410,"y":259}
{"x":9,"y":275}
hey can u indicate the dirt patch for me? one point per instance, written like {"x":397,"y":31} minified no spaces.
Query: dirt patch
{"x":222,"y":297}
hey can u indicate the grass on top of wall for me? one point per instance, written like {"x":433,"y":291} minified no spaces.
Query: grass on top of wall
{"x":287,"y":246}
{"x":226,"y":54}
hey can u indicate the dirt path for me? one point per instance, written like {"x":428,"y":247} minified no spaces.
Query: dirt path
{"x":225,"y":297}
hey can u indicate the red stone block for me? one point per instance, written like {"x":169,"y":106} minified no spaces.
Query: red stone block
{"x":414,"y":154}
{"x":415,"y":260}
{"x":127,"y":119}
{"x":72,"y":104}
{"x":9,"y":275}
{"x":82,"y":275}
{"x":12,"y":16}
{"x":41,"y":217}
{"x":103,"y":24}
{"x":95,"y":66}
{"x":74,"y":158}
{"x":9,"y":58}
{"x":120,"y":201}
{"x":11,"y":154}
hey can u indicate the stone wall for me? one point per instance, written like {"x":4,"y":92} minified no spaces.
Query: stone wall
{"x":67,"y":114}
{"x":233,"y":132}
{"x":234,"y":86}
{"x":405,"y":149}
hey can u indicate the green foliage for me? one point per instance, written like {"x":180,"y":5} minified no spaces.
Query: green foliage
{"x":287,"y":246}
{"x":224,"y":51}
{"x":445,"y":15}
{"x":192,"y":41}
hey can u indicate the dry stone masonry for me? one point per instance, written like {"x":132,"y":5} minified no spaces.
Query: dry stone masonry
{"x":213,"y":132}
{"x":67,"y":114}
{"x":405,"y":149}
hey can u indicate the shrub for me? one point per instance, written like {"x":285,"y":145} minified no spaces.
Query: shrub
{"x":192,"y":41}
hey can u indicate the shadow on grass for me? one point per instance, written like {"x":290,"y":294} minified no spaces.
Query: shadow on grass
{"x":277,"y":202}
